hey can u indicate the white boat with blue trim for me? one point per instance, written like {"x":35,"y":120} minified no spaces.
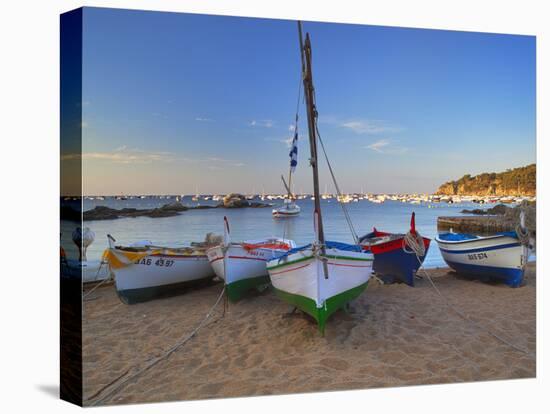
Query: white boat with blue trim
{"x":498,"y":257}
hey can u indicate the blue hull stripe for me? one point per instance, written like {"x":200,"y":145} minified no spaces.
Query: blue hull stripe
{"x":481,"y":249}
{"x":510,"y":276}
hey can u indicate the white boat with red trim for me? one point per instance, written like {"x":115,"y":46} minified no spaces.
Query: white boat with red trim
{"x":242,"y":265}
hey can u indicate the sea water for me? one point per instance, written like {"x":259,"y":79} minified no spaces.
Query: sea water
{"x":255,"y":223}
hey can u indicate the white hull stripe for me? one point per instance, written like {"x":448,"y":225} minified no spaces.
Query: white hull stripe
{"x":240,"y":258}
{"x":480,"y":249}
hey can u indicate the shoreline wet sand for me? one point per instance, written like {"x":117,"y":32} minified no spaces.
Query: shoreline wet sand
{"x":393,"y":335}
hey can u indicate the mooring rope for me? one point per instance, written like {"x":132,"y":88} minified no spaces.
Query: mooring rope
{"x":416,"y":244}
{"x":121,"y":381}
{"x":523,"y":233}
{"x":100,"y":283}
{"x":415,"y":248}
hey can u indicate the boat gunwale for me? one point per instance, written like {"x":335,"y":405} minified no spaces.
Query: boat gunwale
{"x":327,"y":256}
{"x":477,"y":239}
{"x":150,"y":253}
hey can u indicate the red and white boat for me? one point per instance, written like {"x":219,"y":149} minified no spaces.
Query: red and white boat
{"x":394,"y":259}
{"x":242,"y":265}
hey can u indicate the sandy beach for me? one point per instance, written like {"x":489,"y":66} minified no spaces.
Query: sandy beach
{"x":393,"y":335}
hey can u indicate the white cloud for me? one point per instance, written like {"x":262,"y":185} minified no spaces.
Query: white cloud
{"x":291,"y":127}
{"x":287,"y":140}
{"x":378,"y":146}
{"x":218,"y":163}
{"x":265,"y":123}
{"x":204,"y":119}
{"x":385,"y":146}
{"x":370,"y":126}
{"x":123,"y":155}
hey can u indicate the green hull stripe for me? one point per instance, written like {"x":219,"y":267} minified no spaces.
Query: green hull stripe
{"x":131,"y":296}
{"x":303,"y":259}
{"x":236,"y":290}
{"x":366,"y":259}
{"x":331,"y":305}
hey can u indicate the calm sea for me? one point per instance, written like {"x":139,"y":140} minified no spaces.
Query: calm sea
{"x":253,"y":223}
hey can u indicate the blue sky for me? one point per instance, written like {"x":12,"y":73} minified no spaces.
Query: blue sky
{"x":175,"y":103}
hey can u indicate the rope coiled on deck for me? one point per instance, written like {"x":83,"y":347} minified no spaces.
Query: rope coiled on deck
{"x":413,"y":243}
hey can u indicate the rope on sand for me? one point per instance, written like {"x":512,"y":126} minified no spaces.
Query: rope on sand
{"x":119,"y":383}
{"x":107,"y":279}
{"x":414,"y":245}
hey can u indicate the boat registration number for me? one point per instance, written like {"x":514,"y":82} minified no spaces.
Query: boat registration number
{"x":159,"y":262}
{"x":477,"y":256}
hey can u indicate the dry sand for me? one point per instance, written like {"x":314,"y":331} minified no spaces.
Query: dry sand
{"x":394,"y":335}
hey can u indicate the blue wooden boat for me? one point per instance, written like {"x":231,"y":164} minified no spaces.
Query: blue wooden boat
{"x":394,"y":260}
{"x":499,"y":257}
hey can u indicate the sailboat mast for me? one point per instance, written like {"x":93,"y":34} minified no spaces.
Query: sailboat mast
{"x":290,"y":184}
{"x":305,"y":49}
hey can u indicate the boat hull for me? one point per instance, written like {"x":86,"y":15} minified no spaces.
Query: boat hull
{"x":159,"y":275}
{"x":298,"y":279}
{"x":500,"y":257}
{"x":241,"y":269}
{"x":392,"y":263}
{"x":283,"y":214}
{"x":286,"y":211}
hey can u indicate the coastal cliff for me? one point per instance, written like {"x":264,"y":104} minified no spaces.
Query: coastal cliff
{"x":513,"y":182}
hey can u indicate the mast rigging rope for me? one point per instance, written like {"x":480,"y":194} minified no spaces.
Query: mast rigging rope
{"x":338,"y":192}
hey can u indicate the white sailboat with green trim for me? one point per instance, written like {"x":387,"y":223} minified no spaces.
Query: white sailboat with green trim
{"x":323,"y":276}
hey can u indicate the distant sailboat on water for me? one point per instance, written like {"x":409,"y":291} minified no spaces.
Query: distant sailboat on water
{"x":289,"y":207}
{"x":196,"y":196}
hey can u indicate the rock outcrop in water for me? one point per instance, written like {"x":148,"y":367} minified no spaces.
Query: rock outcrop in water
{"x":107,"y":213}
{"x":235,"y":200}
{"x":499,"y":209}
{"x":167,"y":210}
